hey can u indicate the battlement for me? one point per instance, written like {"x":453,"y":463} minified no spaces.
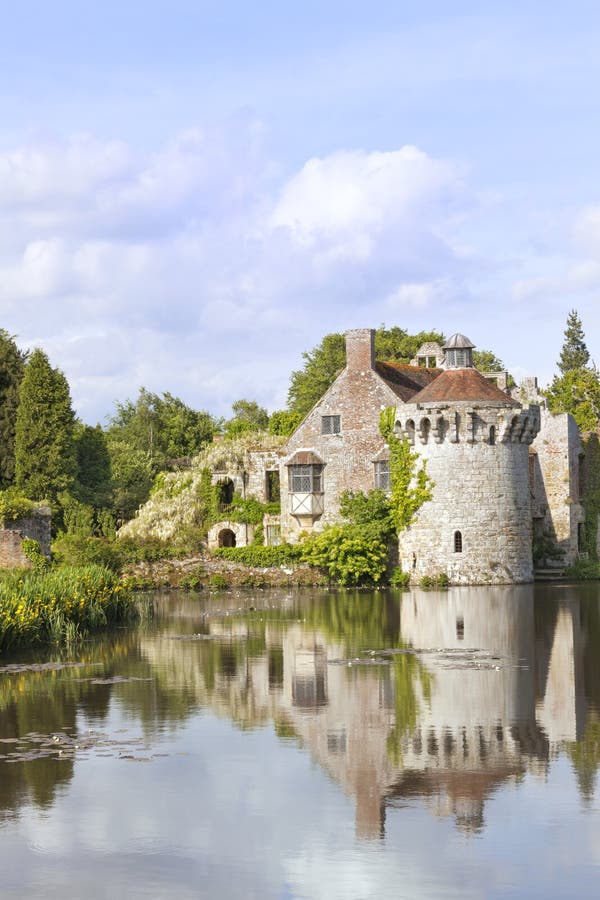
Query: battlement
{"x":468,"y":424}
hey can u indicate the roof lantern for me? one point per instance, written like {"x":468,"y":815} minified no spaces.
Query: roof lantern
{"x":459,"y":352}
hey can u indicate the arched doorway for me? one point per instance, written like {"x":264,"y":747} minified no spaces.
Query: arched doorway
{"x":226,"y":538}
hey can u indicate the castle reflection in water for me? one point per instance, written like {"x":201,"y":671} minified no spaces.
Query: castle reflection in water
{"x":462,"y":691}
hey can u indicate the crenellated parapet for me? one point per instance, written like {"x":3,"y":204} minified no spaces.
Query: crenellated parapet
{"x":468,"y":424}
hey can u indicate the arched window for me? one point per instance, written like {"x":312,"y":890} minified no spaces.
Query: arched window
{"x":458,"y":542}
{"x":425,"y":428}
{"x":410,"y":431}
{"x":492,"y":438}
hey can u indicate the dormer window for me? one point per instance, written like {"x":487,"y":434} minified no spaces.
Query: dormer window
{"x":331,"y":424}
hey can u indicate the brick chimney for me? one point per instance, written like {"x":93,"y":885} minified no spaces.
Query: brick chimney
{"x":360,"y":349}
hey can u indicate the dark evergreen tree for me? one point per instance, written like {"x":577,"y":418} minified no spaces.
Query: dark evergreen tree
{"x":93,"y":485}
{"x":574,"y":353}
{"x":45,"y":460}
{"x":12,"y":367}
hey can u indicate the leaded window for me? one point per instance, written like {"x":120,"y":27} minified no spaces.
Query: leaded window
{"x":330,"y":424}
{"x":306,"y":479}
{"x":382,"y":475}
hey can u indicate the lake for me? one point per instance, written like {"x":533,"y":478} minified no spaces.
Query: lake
{"x":311,"y":744}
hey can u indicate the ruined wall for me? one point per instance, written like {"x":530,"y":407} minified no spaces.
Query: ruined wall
{"x":357,"y":396}
{"x":35,"y":526}
{"x":481,"y":490}
{"x":555,"y":482}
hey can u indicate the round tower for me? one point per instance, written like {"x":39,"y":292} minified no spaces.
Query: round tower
{"x":475,"y":441}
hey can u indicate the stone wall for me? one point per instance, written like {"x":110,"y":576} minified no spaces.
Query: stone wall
{"x":555,"y":482}
{"x":357,"y":396}
{"x":35,"y":526}
{"x":480,"y":491}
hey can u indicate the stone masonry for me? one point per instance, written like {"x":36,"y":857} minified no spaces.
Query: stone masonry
{"x":36,"y":526}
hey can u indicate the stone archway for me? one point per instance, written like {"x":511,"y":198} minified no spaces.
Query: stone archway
{"x":227,"y":538}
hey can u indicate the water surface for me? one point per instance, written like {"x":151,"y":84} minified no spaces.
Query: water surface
{"x":311,"y":745}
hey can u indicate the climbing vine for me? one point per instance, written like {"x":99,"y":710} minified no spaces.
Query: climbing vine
{"x":591,"y":498}
{"x":411,"y":486}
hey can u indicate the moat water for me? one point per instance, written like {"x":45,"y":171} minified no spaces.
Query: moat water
{"x":311,"y":745}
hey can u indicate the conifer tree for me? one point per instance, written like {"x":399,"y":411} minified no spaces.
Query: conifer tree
{"x":12,"y":366}
{"x":45,"y":458}
{"x":574,"y":353}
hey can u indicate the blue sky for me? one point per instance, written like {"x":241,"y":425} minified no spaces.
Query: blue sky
{"x":191,"y":194}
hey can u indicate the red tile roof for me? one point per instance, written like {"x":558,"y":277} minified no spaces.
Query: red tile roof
{"x":405,"y":381}
{"x":462,"y":384}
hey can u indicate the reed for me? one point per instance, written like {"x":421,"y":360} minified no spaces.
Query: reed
{"x":56,"y":605}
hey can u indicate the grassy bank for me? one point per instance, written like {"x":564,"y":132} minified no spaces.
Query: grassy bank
{"x":59,"y":604}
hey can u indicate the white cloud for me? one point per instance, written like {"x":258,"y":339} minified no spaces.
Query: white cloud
{"x":209,"y":276}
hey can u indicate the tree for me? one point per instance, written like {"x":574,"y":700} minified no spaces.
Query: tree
{"x":577,"y":392}
{"x":132,"y":476}
{"x":163,"y":426}
{"x":12,"y":368}
{"x":324,"y":363}
{"x":574,"y":354}
{"x":577,"y":389}
{"x":247,"y":416}
{"x":93,"y":485}
{"x":284,"y":422}
{"x":45,"y":460}
{"x":486,"y":361}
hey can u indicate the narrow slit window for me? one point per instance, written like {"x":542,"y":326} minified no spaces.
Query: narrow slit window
{"x":492,"y":439}
{"x":458,"y":542}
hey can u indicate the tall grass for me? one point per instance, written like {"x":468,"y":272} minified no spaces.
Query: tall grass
{"x":53,"y":606}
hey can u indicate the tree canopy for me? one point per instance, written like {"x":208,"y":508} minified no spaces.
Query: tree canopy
{"x":12,"y":368}
{"x":577,"y":389}
{"x":324,"y":363}
{"x":45,"y":459}
{"x":247,"y":416}
{"x":574,"y":354}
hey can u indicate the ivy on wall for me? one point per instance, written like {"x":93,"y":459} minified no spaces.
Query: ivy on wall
{"x":591,"y":496}
{"x":411,"y":486}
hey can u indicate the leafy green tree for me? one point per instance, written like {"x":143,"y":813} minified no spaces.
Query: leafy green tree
{"x":163,"y":426}
{"x":577,"y":392}
{"x":321,"y":367}
{"x":45,"y":458}
{"x":132,"y":476}
{"x":574,"y":354}
{"x":398,"y":345}
{"x":247,"y":416}
{"x":486,"y":361}
{"x":12,"y":368}
{"x":324,"y":363}
{"x":284,"y":422}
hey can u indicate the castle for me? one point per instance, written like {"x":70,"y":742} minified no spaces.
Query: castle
{"x":503,"y":468}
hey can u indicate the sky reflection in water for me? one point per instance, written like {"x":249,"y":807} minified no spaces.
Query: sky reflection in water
{"x":348,"y":745}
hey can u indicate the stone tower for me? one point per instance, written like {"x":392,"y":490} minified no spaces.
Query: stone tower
{"x":475,"y":441}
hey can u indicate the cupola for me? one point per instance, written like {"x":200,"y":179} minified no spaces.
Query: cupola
{"x":459,"y":352}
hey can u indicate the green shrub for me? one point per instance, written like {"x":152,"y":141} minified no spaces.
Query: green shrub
{"x":78,"y":550}
{"x":261,"y":557}
{"x":440,"y":581}
{"x":195,"y":580}
{"x":218,"y":582}
{"x":14,"y":506}
{"x":350,"y":554}
{"x":399,"y":578}
{"x":584,"y":570}
{"x":34,"y":554}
